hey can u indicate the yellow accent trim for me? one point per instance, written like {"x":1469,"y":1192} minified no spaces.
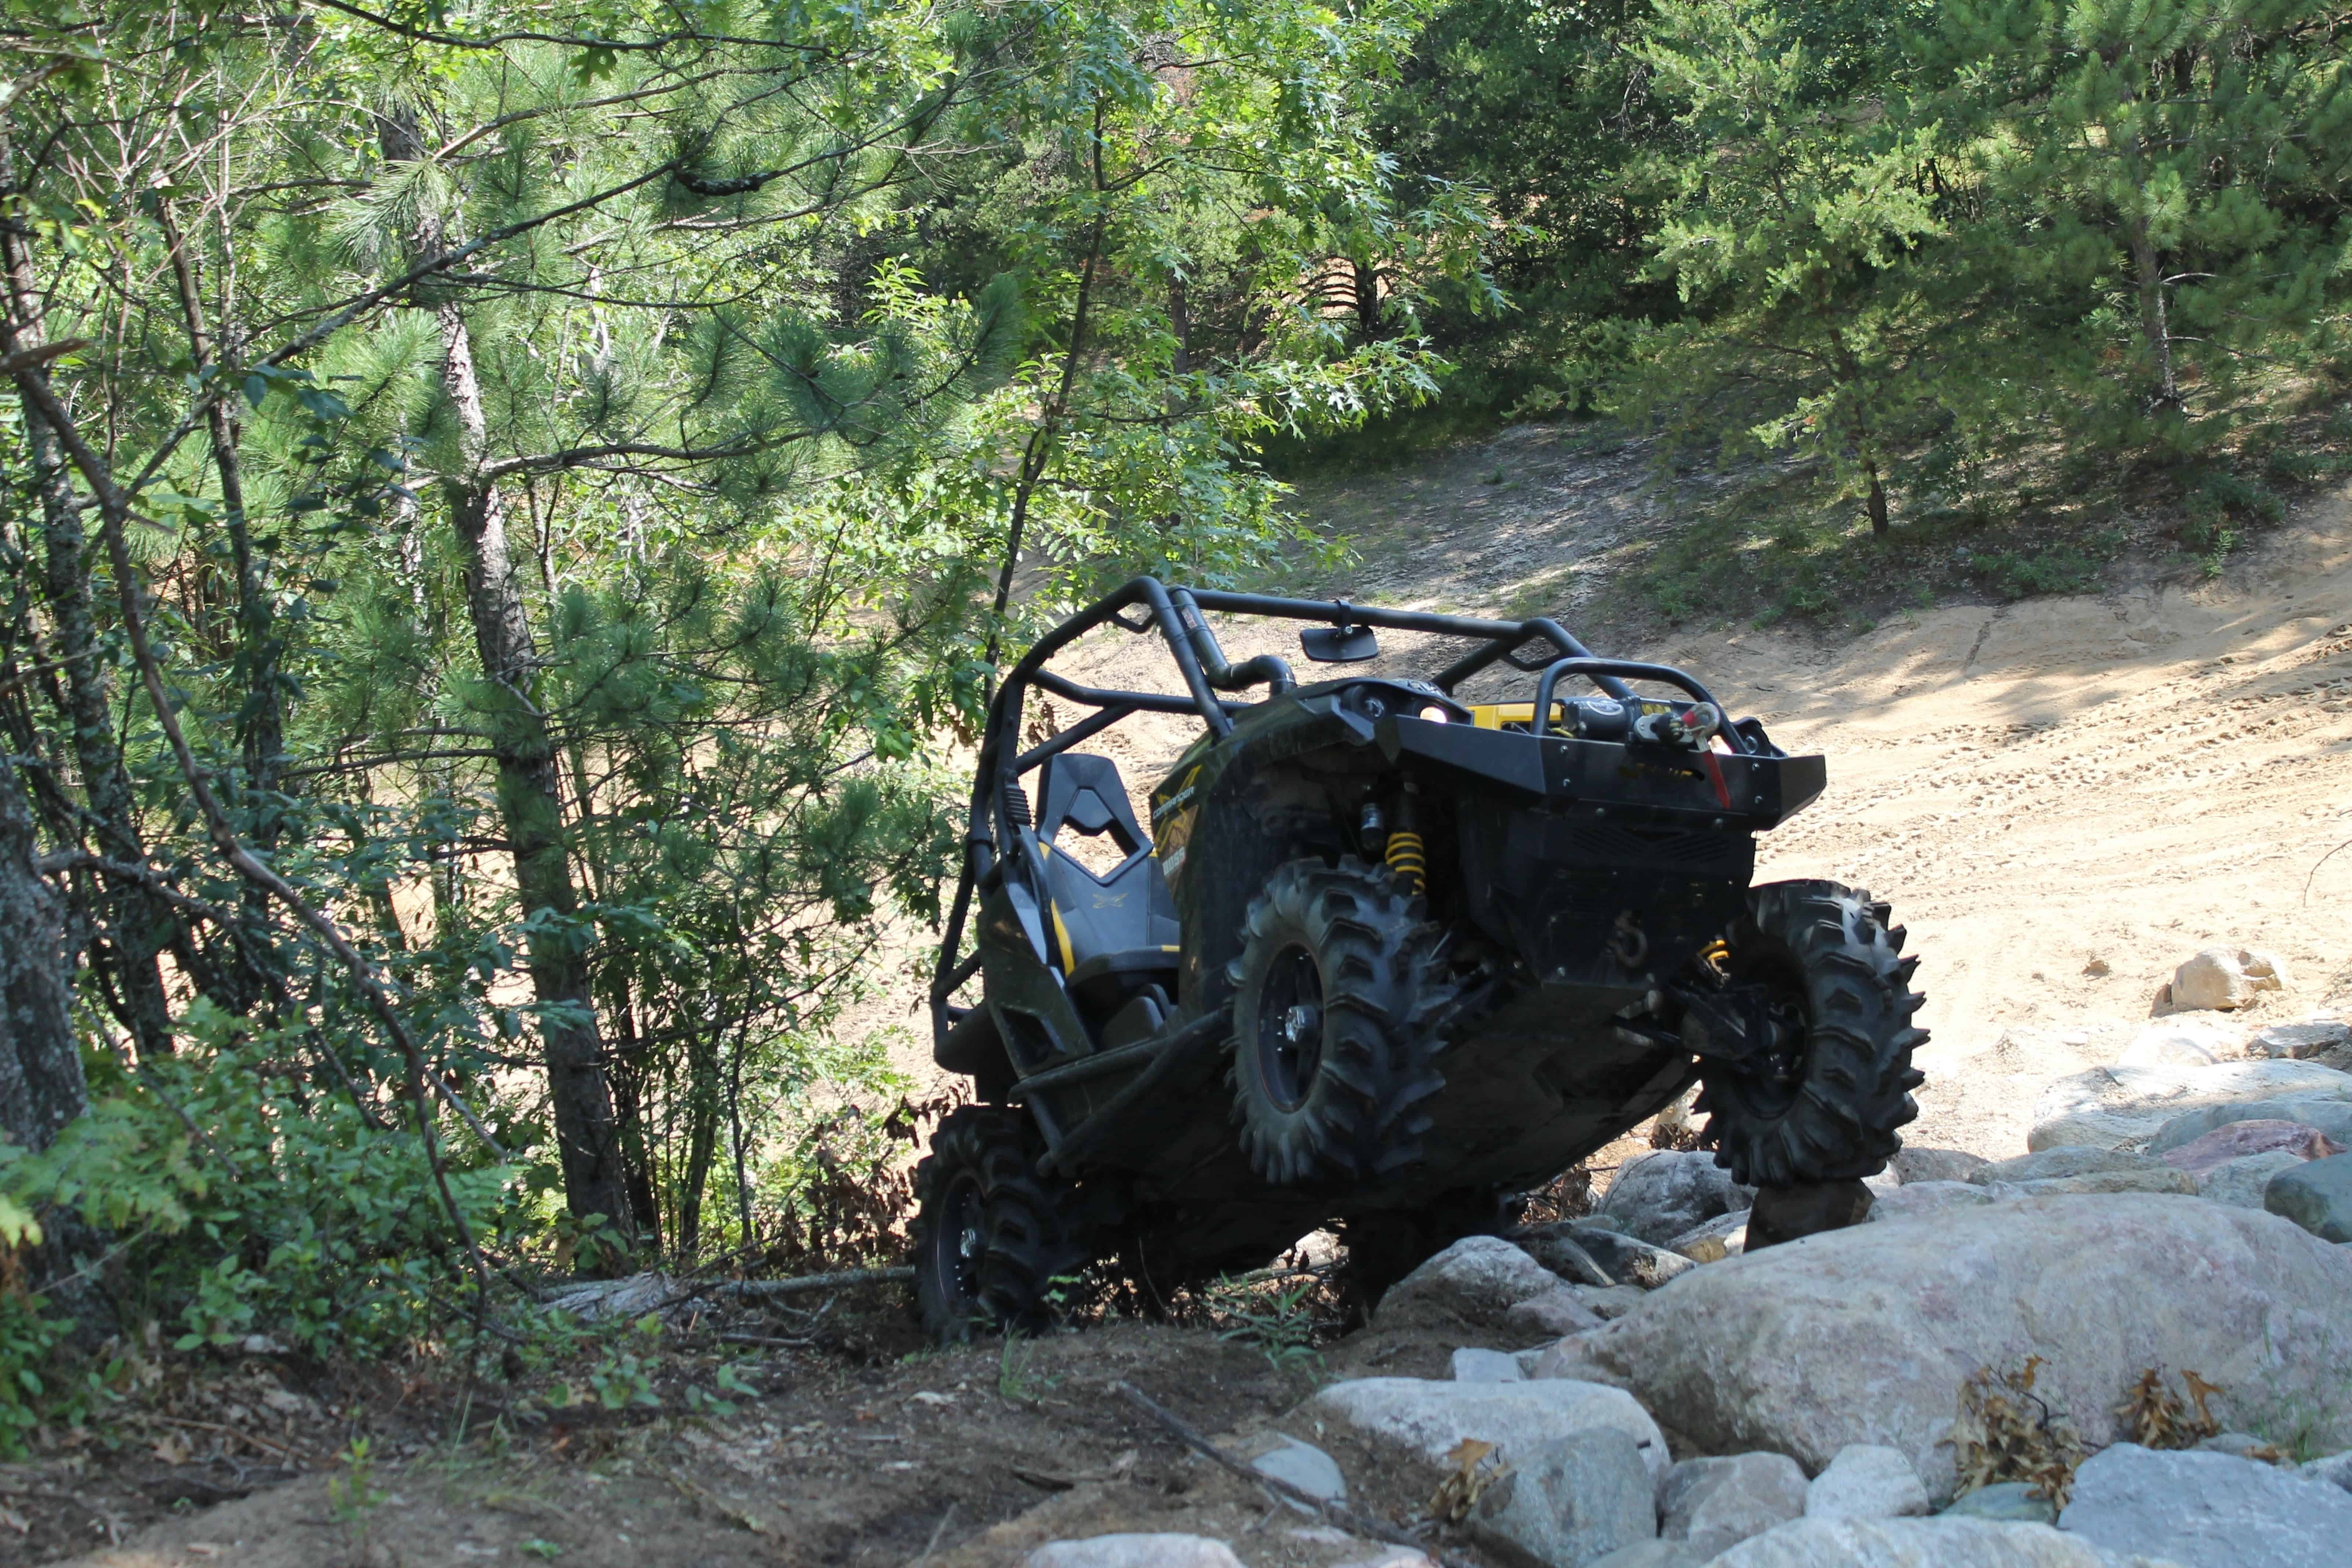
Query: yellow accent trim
{"x":1494,"y":715}
{"x":1062,"y":935}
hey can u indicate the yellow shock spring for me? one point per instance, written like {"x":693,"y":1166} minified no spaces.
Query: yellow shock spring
{"x":1407,"y":858}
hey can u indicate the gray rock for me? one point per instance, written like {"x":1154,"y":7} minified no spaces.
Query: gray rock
{"x":1942,"y":1542}
{"x":2183,"y":1044}
{"x":2207,"y":1510}
{"x":1865,"y":1335}
{"x":2298,"y":1042}
{"x":2222,"y":978}
{"x":1866,"y":1480}
{"x":1659,"y":1196}
{"x":2107,"y":1108}
{"x":1615,"y":1302}
{"x":1303,"y":1465}
{"x":1558,"y":1310}
{"x":2240,"y":1181}
{"x":1725,"y":1236}
{"x":2331,"y":1117}
{"x":1625,"y":1259}
{"x":1564,"y":1503}
{"x":2080,"y":1169}
{"x":2011,"y":1503}
{"x":2316,"y":1195}
{"x":1655,"y":1554}
{"x":1915,"y":1198}
{"x":2336,"y":1469}
{"x":1476,"y":1281}
{"x":1135,"y":1552}
{"x":1487,"y":1366}
{"x":1915,"y":1166}
{"x":1420,"y":1422}
{"x":1717,"y":1503}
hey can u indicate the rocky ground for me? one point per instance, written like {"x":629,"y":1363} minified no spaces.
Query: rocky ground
{"x":2100,"y":1312}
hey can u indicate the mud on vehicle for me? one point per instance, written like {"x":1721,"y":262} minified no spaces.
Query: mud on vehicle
{"x":1385,"y":958}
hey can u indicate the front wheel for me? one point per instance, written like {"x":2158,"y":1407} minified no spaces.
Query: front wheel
{"x":996,"y":1246}
{"x":1823,"y":1104}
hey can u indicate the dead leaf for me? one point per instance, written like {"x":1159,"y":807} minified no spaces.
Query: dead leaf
{"x":1458,"y":1492}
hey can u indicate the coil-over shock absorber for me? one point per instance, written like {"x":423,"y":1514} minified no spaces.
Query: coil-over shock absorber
{"x":1407,"y":858}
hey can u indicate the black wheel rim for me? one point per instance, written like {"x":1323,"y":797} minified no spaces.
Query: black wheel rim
{"x":1290,"y":1028}
{"x":959,"y":1244}
{"x":1775,"y":1079}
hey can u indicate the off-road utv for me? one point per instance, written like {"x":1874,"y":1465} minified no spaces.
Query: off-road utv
{"x":1385,"y":958}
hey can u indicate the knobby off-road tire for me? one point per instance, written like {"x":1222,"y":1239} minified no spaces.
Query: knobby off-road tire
{"x":991,"y":1237}
{"x":1337,"y":1009}
{"x":1828,"y":1107}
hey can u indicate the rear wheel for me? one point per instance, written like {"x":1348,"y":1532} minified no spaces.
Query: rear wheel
{"x":1337,"y":1003}
{"x":1823,"y":1103}
{"x":995,"y":1244}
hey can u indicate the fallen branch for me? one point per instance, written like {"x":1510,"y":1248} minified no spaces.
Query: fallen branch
{"x":1337,"y":1514}
{"x":846,"y":1279}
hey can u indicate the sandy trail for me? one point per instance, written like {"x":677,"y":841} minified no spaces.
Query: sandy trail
{"x":2126,"y":778}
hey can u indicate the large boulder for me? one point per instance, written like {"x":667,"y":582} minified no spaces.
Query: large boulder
{"x":1716,"y":1503}
{"x":1566,"y":1502}
{"x":2108,"y":1108}
{"x":2075,"y":1168}
{"x":2207,"y":1511}
{"x":2316,"y":1196}
{"x":1422,"y":1422}
{"x":1865,"y":1335}
{"x":2222,"y":978}
{"x":1916,"y":1544}
{"x":1657,"y":1196}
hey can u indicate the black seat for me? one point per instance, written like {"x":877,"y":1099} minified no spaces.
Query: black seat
{"x":1116,"y":934}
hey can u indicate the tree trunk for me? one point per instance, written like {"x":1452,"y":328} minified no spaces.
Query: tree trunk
{"x":2148,"y":268}
{"x":41,"y":1084}
{"x":530,"y":801}
{"x":1878,"y":498}
{"x":138,"y":926}
{"x":1366,"y":280}
{"x":531,"y":810}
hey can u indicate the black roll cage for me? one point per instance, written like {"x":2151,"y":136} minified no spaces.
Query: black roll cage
{"x":996,"y":824}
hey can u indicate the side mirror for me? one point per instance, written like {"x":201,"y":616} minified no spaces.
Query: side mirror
{"x":1339,"y":645}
